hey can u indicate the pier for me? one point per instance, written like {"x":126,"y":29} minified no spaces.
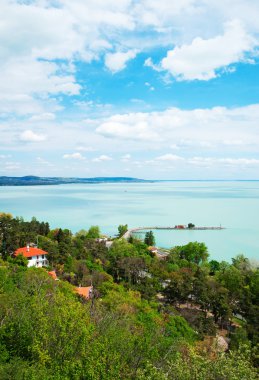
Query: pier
{"x":177,"y":228}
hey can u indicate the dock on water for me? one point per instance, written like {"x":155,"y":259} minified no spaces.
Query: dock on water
{"x":179,"y":227}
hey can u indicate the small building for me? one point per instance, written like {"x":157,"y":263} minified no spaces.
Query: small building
{"x":36,"y":256}
{"x":180,"y":227}
{"x":153,"y":250}
{"x":85,"y":291}
{"x":100,"y":240}
{"x":108,"y":244}
{"x":53,"y":274}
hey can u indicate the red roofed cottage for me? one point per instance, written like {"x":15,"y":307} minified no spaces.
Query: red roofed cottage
{"x":85,"y":291}
{"x":36,"y":256}
{"x":53,"y":274}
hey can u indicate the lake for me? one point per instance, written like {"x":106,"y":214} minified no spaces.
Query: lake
{"x":234,"y":205}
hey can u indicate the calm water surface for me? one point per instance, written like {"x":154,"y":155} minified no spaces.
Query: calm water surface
{"x":234,"y":205}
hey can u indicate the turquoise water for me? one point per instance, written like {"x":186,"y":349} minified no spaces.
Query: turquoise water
{"x":234,"y":205}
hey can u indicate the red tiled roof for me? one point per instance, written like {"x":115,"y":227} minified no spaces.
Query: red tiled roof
{"x":53,"y":275}
{"x":84,"y":291}
{"x":29,"y":251}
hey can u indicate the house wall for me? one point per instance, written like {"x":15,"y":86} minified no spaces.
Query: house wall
{"x":38,"y":261}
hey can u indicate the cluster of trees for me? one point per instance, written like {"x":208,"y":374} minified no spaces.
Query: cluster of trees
{"x":222,"y":291}
{"x":15,"y":232}
{"x":149,"y":318}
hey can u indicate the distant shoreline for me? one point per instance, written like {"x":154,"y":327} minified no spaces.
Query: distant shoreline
{"x":44,"y":181}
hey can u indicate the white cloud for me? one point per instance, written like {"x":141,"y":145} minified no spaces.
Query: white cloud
{"x":26,"y":85}
{"x":74,"y":156}
{"x":169,"y":157}
{"x":203,"y":57}
{"x":138,"y":126}
{"x":174,"y":147}
{"x":43,"y":44}
{"x":85,"y":148}
{"x":239,"y":161}
{"x":166,"y":162}
{"x":213,"y":161}
{"x":42,"y":161}
{"x":4,"y":156}
{"x":125,"y":158}
{"x":233,"y":142}
{"x":29,"y":76}
{"x":39,"y":40}
{"x":47,"y":116}
{"x":149,"y":63}
{"x":117,"y":61}
{"x":102,"y":158}
{"x":205,"y":129}
{"x":30,"y":136}
{"x":20,"y":104}
{"x":11,"y":166}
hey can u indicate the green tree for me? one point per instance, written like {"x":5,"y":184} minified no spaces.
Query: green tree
{"x":180,"y":286}
{"x":122,"y":229}
{"x":93,"y":232}
{"x":184,"y":363}
{"x":214,"y":266}
{"x":193,"y":252}
{"x":149,"y":238}
{"x":21,"y":260}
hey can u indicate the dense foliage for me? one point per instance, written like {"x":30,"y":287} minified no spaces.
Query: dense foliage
{"x":149,"y":318}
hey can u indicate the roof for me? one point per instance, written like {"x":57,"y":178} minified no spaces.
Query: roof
{"x":53,"y":275}
{"x":84,"y":291}
{"x":29,"y":252}
{"x":152,"y":248}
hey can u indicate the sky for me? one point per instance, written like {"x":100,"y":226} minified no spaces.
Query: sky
{"x":134,"y":88}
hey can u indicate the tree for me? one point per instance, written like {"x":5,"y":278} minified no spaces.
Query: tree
{"x":21,"y":260}
{"x":93,"y":232}
{"x":233,"y":280}
{"x":131,"y":268}
{"x":120,"y":249}
{"x":149,"y":238}
{"x":193,"y":252}
{"x":242,"y":263}
{"x":8,"y":235}
{"x":122,"y":229}
{"x":180,"y":286}
{"x":219,"y":301}
{"x":214,"y":266}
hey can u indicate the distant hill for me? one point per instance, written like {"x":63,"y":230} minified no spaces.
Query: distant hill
{"x":33,"y":180}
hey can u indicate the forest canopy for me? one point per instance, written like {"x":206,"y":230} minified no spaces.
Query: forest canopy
{"x":148,"y":318}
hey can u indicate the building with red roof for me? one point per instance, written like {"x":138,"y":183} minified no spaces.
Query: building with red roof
{"x":85,"y":291}
{"x":36,"y":256}
{"x":53,"y":274}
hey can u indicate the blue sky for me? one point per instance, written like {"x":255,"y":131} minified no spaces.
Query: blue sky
{"x":148,"y":89}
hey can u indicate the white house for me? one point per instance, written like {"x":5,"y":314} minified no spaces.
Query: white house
{"x":36,"y":256}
